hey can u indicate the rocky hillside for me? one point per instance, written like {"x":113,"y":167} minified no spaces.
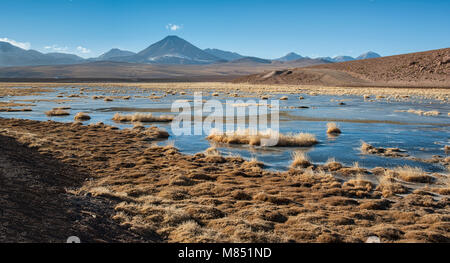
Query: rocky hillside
{"x":430,"y":68}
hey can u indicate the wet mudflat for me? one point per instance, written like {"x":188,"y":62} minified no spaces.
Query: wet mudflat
{"x":382,"y":121}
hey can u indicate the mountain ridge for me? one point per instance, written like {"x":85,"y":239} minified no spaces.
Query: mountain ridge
{"x":11,"y":55}
{"x":289,"y":57}
{"x":226,"y":55}
{"x":171,"y":50}
{"x":115,"y":53}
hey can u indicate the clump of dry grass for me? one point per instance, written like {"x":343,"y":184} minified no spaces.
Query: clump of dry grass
{"x":253,"y":162}
{"x":138,"y":125}
{"x":253,"y":137}
{"x":332,"y":128}
{"x":359,"y":182}
{"x":142,"y":117}
{"x":15,"y":110}
{"x":412,"y":174}
{"x":108,"y":99}
{"x":431,"y":113}
{"x":300,"y":159}
{"x":388,"y":152}
{"x":332,"y":164}
{"x":365,"y":147}
{"x":212,"y":151}
{"x":57,"y":112}
{"x":421,"y":112}
{"x":82,"y":116}
{"x":284,"y":98}
{"x":355,"y":169}
{"x":389,"y":186}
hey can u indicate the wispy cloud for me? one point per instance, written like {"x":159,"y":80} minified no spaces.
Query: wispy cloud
{"x":56,"y":48}
{"x":24,"y":45}
{"x":173,"y":27}
{"x":79,"y":50}
{"x":83,"y":50}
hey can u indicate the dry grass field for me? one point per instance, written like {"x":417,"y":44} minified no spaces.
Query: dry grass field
{"x":241,"y":90}
{"x":157,"y":194}
{"x":107,"y":184}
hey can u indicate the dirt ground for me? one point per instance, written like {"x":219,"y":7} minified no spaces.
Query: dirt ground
{"x":103,"y":184}
{"x":35,"y":205}
{"x":422,"y":69}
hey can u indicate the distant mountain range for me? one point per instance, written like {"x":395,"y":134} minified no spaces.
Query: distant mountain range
{"x":14,"y":56}
{"x":171,"y":50}
{"x":366,"y":55}
{"x":225,"y":55}
{"x":114,"y":53}
{"x":289,"y":57}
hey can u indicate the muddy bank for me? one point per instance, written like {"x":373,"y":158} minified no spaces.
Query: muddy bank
{"x":154,"y":193}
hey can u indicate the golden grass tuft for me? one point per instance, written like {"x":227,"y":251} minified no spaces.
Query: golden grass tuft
{"x":82,"y":116}
{"x":431,"y":113}
{"x":412,"y":174}
{"x":253,"y":164}
{"x":365,"y":147}
{"x":253,"y":137}
{"x":284,"y":98}
{"x":212,"y":151}
{"x":332,"y":164}
{"x":57,"y":112}
{"x":389,"y":186}
{"x":142,"y":117}
{"x":332,"y":128}
{"x":421,"y":112}
{"x":300,"y":159}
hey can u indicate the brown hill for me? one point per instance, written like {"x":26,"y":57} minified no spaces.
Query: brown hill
{"x":428,"y":69}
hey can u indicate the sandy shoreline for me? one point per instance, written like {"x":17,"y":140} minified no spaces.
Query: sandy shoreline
{"x":151,"y":193}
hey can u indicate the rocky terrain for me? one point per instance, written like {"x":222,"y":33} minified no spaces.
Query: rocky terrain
{"x":427,"y":69}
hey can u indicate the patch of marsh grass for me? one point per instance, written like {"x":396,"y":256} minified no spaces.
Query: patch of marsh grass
{"x":254,"y":138}
{"x":142,"y":117}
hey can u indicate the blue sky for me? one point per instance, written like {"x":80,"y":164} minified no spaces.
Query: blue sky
{"x":266,"y":29}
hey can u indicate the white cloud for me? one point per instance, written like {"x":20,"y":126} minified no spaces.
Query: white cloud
{"x":56,"y":48}
{"x":25,"y":45}
{"x":173,"y":27}
{"x":83,"y":50}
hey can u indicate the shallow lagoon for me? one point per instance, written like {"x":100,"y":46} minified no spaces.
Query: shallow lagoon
{"x":376,"y":122}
